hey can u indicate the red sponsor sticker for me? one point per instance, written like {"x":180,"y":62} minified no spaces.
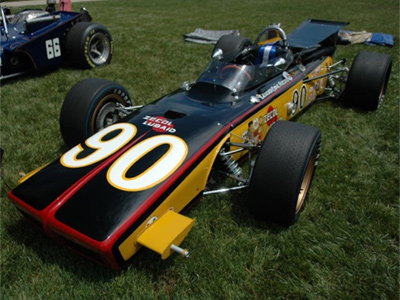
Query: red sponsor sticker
{"x":272,"y":115}
{"x":159,"y":124}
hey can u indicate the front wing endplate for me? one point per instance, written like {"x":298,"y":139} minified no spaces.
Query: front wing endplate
{"x":167,"y":231}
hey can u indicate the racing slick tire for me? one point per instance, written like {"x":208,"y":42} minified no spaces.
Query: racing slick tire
{"x":231,"y":46}
{"x":89,"y":45}
{"x":367,"y":80}
{"x":90,"y":106}
{"x":283,"y":172}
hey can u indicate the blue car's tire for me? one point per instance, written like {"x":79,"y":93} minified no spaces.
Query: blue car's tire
{"x":90,"y":106}
{"x":89,"y":45}
{"x":283,"y":172}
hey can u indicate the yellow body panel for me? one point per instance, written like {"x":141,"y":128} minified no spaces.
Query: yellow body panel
{"x":284,"y":107}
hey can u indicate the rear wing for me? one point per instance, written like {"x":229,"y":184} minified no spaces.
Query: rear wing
{"x":313,"y":32}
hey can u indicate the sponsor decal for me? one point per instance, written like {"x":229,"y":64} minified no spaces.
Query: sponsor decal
{"x":286,"y":75}
{"x":272,"y":115}
{"x":256,"y":127}
{"x":254,"y":130}
{"x":159,"y":124}
{"x":315,"y":72}
{"x":313,"y":94}
{"x":274,"y":88}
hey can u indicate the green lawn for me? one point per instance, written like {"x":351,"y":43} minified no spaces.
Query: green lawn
{"x":345,"y":245}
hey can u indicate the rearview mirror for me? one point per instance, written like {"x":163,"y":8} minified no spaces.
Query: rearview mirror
{"x":218,"y":54}
{"x":279,"y":64}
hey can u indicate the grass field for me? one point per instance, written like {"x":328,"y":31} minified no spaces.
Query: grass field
{"x":345,"y":245}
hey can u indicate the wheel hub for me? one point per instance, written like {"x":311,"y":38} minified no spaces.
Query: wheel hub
{"x":99,"y":48}
{"x":107,"y":115}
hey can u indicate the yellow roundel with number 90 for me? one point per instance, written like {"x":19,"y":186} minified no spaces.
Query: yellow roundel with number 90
{"x":117,"y":173}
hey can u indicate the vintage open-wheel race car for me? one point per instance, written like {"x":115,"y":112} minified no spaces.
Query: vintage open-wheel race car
{"x":41,"y":40}
{"x":132,"y":169}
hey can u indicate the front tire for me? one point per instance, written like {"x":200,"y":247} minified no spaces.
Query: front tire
{"x":283,"y":172}
{"x":90,"y":106}
{"x":89,"y":45}
{"x":367,"y":81}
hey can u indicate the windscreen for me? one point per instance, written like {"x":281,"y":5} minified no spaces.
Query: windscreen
{"x":234,"y":77}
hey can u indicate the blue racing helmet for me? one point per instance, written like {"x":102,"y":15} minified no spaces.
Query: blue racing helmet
{"x":265,"y":53}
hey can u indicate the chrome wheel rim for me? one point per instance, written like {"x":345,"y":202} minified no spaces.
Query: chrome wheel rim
{"x":99,"y":48}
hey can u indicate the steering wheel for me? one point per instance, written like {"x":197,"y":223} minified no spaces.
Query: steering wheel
{"x":230,"y":67}
{"x":272,"y":34}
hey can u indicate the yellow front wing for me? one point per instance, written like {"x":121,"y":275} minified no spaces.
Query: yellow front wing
{"x":166,"y":234}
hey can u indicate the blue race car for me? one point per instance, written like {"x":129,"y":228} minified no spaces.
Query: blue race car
{"x":42,"y":40}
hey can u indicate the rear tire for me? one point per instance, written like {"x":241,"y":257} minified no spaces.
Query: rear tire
{"x":283,"y":172}
{"x":90,"y":106}
{"x":231,"y":46}
{"x":367,"y":81}
{"x":89,"y":45}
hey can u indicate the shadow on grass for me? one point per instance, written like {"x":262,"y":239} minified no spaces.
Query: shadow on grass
{"x":30,"y":75}
{"x":50,"y":252}
{"x":54,"y":255}
{"x":243,"y":217}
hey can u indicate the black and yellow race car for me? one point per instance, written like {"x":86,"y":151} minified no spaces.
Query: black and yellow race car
{"x":132,"y":169}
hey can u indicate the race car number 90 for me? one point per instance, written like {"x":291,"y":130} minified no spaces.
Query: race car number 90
{"x":117,"y":173}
